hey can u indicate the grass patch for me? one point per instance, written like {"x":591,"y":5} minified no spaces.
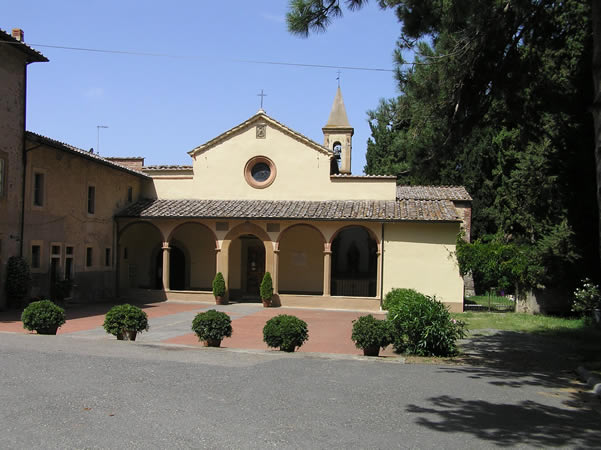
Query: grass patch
{"x":519,"y":322}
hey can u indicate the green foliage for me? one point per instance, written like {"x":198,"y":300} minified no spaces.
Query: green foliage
{"x":371,"y":332}
{"x":266,"y":289}
{"x":423,"y":326}
{"x":212,"y":325}
{"x":399,"y":295}
{"x":18,"y":278}
{"x":125,"y":317}
{"x":494,"y":103}
{"x":587,"y":298}
{"x":218,"y":285}
{"x":43,"y":316}
{"x":285,"y":332}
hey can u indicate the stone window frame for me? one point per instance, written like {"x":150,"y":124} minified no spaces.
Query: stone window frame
{"x":34,"y":173}
{"x":88,"y":257}
{"x":3,"y":174}
{"x":248,"y":172}
{"x":41,"y":261}
{"x":91,"y":205}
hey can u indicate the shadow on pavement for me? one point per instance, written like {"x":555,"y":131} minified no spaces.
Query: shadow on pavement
{"x":527,"y":423}
{"x":516,"y":360}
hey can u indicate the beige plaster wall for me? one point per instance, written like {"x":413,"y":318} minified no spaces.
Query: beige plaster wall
{"x":64,"y":220}
{"x":142,"y":242}
{"x":303,"y":173}
{"x":421,"y":256}
{"x":301,"y":260}
{"x":12,"y":106}
{"x":198,"y":244}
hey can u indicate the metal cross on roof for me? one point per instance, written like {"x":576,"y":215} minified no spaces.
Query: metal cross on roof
{"x":261,"y":95}
{"x":338,"y":77}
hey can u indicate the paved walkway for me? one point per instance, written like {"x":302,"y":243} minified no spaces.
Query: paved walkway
{"x":170,"y":323}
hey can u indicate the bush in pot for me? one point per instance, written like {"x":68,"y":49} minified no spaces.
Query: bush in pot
{"x":211,"y":327}
{"x":285,"y":332}
{"x":125,"y":322}
{"x":18,"y":280}
{"x":371,"y":334}
{"x":266,"y":289}
{"x":219,"y":289}
{"x":587,"y":301}
{"x":423,"y":326}
{"x":43,"y":316}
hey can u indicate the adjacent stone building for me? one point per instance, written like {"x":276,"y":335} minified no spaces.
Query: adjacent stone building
{"x":15,"y":56}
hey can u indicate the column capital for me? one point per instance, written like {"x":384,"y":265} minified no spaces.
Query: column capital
{"x":166,"y":246}
{"x":327,"y":247}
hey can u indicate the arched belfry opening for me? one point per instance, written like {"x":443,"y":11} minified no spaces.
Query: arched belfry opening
{"x":338,"y":135}
{"x":354,"y":263}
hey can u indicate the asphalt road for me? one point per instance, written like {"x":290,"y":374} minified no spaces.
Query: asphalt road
{"x":66,"y":392}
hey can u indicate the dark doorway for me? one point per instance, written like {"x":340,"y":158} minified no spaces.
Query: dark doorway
{"x":254,"y":265}
{"x":177,"y":269}
{"x":354,"y":263}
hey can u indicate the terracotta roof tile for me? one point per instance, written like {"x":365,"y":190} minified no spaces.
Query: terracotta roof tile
{"x":372,"y":210}
{"x":432,"y":193}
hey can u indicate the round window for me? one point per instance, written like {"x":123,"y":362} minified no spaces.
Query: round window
{"x":259,"y":172}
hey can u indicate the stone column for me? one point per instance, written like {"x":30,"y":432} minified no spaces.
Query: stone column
{"x":379,"y":273}
{"x":327,"y":252}
{"x":166,"y":267}
{"x":217,"y":265}
{"x":276,"y":263}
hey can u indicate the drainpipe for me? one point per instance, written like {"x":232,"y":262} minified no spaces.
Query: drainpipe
{"x":24,"y":161}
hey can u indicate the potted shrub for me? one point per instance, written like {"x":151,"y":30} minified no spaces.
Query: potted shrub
{"x":43,"y":316}
{"x":211,"y":327}
{"x":125,"y":322}
{"x":219,"y":289}
{"x":371,"y":334}
{"x":18,"y":280}
{"x":285,"y":332}
{"x":266,"y":290}
{"x":587,"y":301}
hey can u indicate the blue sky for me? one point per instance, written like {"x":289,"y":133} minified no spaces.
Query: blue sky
{"x":162,"y":107}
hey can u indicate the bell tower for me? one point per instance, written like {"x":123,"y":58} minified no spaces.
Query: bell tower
{"x":338,"y":134}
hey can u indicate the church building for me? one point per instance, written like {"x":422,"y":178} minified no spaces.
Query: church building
{"x":258,"y":198}
{"x":262,"y":197}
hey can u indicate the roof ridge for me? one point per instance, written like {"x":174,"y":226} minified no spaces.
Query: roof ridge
{"x":81,"y":152}
{"x":221,"y":137}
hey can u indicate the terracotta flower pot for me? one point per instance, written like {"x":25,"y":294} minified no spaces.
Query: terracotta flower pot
{"x":266,"y":303}
{"x":372,"y":350}
{"x":127,"y":335}
{"x":212,"y":343}
{"x":48,"y":331}
{"x":220,"y":300}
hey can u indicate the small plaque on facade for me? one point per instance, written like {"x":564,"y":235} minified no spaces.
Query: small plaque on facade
{"x":273,"y":227}
{"x":222,"y":226}
{"x":261,"y":131}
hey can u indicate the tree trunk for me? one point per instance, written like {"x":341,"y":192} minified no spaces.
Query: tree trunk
{"x":596,"y":107}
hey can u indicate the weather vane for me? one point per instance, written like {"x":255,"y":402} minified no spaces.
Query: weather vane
{"x":261,"y":95}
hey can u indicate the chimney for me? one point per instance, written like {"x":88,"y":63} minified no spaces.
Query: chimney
{"x":18,"y":34}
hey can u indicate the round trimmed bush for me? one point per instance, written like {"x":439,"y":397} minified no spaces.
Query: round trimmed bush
{"x":423,"y":326}
{"x":212,"y":326}
{"x":43,"y":316}
{"x":370,"y":333}
{"x":285,"y":332}
{"x":122,"y":319}
{"x":400,"y":295}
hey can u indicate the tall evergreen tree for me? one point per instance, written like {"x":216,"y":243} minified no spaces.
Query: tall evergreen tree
{"x":496,"y":99}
